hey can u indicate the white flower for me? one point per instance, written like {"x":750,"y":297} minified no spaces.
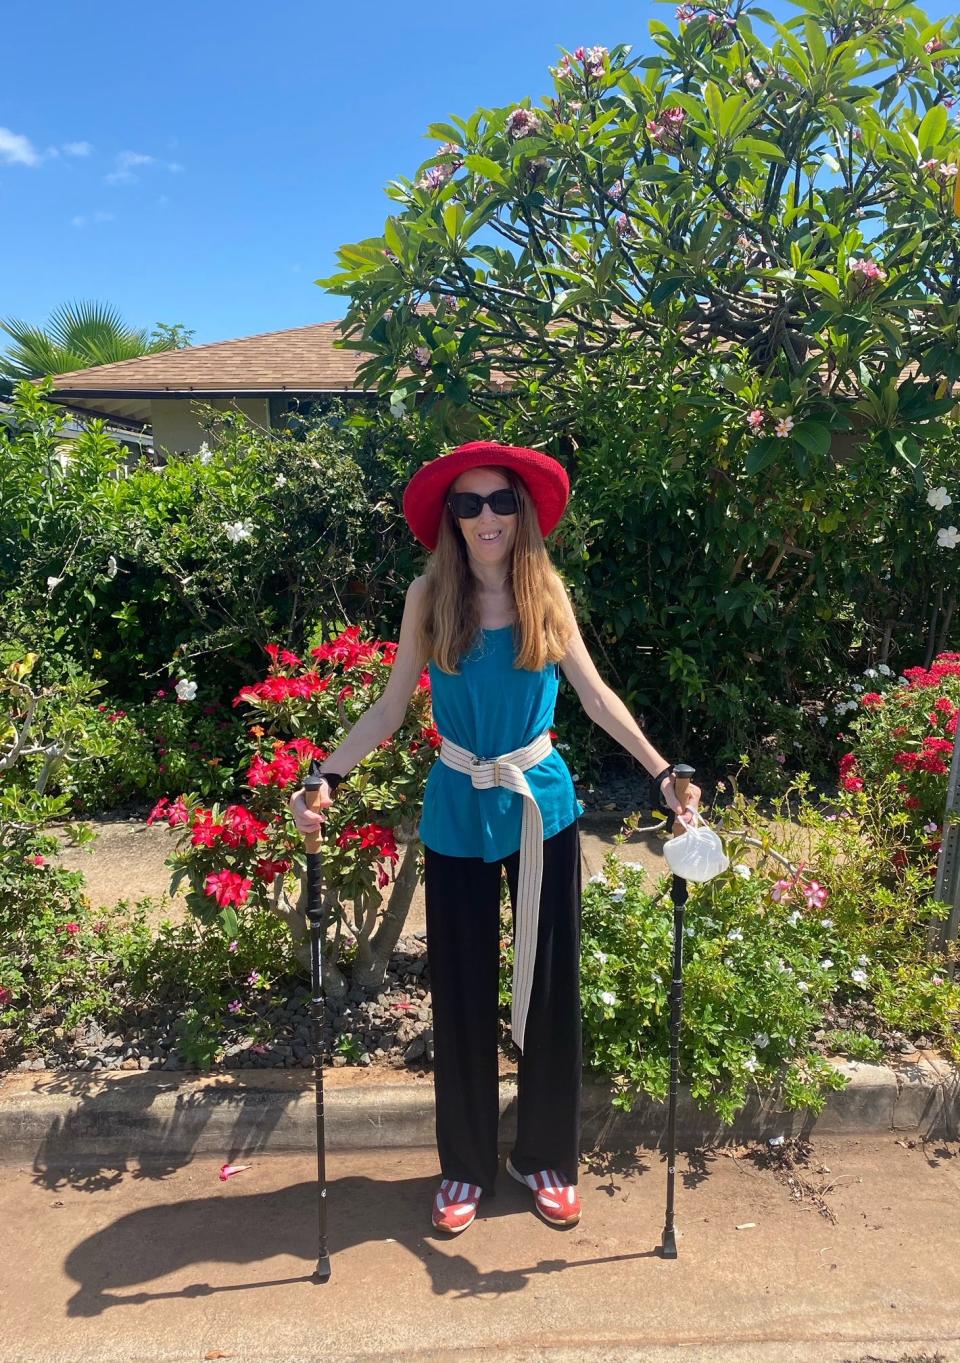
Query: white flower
{"x":608,"y":998}
{"x":886,"y":671}
{"x":236,"y":531}
{"x":52,"y":584}
{"x":826,"y":922}
{"x":794,"y":918}
{"x":601,"y":957}
{"x":857,"y":687}
{"x":111,"y":567}
{"x":634,"y":865}
{"x":761,"y":1040}
{"x":742,"y":869}
{"x":186,"y":690}
{"x":598,"y":879}
{"x":791,"y":1041}
{"x":863,"y":960}
{"x":280,"y":480}
{"x":728,"y":961}
{"x":204,"y":453}
{"x":938,"y":498}
{"x":398,"y":411}
{"x":826,"y":963}
{"x":776,"y":1140}
{"x":562,"y":747}
{"x":870,"y":672}
{"x":858,"y":976}
{"x":948,"y":537}
{"x":784,"y":426}
{"x":617,"y":895}
{"x":803,"y":986}
{"x":734,"y":935}
{"x":658,"y":979}
{"x":750,"y":1063}
{"x":822,"y":719}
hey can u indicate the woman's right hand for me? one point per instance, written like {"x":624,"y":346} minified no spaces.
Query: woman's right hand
{"x":307,"y":820}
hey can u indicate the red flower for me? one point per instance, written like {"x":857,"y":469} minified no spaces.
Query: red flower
{"x":159,"y":810}
{"x":71,"y":929}
{"x":269,"y":870}
{"x":6,"y":996}
{"x":900,"y":858}
{"x":242,"y":826}
{"x":852,"y":783}
{"x":847,"y":761}
{"x":37,"y":860}
{"x":871,"y":698}
{"x":177,"y":813}
{"x":272,"y":651}
{"x":206,"y":833}
{"x":345,"y":691}
{"x":912,"y":802}
{"x":227,"y":887}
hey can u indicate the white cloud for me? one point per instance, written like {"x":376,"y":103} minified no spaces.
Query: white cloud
{"x":16,"y":149}
{"x":85,"y":219}
{"x":77,"y":148}
{"x":126,"y":161}
{"x":174,"y":167}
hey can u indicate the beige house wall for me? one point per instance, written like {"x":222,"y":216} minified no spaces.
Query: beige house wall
{"x":177,"y":430}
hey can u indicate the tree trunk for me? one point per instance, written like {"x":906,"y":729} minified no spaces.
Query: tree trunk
{"x":371,"y":966}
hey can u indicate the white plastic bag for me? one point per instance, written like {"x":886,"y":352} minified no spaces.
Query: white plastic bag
{"x":696,"y":854}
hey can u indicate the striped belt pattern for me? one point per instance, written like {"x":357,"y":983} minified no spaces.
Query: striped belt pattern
{"x":507,"y":770}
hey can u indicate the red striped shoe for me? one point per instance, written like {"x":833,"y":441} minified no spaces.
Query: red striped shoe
{"x":455,"y":1205}
{"x":556,"y":1199}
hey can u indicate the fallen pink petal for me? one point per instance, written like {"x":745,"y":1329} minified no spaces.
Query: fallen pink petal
{"x":228,"y":1170}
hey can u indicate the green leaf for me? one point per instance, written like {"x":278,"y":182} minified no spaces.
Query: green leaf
{"x":931,"y":130}
{"x":482,"y":165}
{"x":813,"y":436}
{"x":763,"y":454}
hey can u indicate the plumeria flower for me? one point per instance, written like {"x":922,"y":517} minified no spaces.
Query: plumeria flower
{"x":186,"y":690}
{"x":948,"y":537}
{"x":607,"y":998}
{"x":228,"y":1170}
{"x":236,"y":531}
{"x":750,"y":1063}
{"x":783,"y":427}
{"x":522,"y":122}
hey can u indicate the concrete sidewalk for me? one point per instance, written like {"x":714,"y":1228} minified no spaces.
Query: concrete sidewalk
{"x":158,"y":1260}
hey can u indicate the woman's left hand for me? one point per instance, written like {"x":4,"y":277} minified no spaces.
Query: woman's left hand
{"x":681,"y":813}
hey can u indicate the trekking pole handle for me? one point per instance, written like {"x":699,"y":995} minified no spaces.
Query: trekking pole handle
{"x":682,"y":776}
{"x":311,"y":798}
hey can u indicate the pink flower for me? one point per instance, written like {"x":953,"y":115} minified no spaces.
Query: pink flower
{"x":523,"y":122}
{"x":755,"y":419}
{"x":36,"y":860}
{"x":253,"y":977}
{"x":228,"y":1170}
{"x":71,"y":929}
{"x":6,"y":996}
{"x":815,"y":894}
{"x":233,"y":946}
{"x":227,"y":887}
{"x":234,"y":1006}
{"x":780,"y":890}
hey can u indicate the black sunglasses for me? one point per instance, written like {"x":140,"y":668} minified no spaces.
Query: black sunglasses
{"x":466,"y":505}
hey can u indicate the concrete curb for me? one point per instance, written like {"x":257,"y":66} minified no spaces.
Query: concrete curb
{"x":63,"y":1118}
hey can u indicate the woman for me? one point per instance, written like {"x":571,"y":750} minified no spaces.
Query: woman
{"x":492,"y":620}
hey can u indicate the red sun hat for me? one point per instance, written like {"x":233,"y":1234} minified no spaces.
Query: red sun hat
{"x":544,"y":477}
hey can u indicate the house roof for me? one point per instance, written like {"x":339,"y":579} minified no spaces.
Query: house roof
{"x":297,"y":360}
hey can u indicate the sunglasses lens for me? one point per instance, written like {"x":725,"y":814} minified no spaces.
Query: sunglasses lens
{"x":504,"y":501}
{"x":467,"y":505}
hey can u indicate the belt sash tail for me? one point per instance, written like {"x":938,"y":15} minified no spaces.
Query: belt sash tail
{"x":507,"y":770}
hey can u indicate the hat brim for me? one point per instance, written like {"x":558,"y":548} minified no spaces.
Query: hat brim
{"x":424,"y":496}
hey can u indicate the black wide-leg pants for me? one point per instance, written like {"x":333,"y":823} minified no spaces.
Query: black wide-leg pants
{"x":463,"y":950}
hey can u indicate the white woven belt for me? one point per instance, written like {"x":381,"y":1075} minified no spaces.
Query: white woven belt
{"x":507,"y":770}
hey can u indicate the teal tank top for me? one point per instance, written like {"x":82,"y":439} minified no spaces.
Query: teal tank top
{"x":492,"y":707}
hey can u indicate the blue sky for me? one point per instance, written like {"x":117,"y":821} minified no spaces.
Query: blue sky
{"x":201,"y":163}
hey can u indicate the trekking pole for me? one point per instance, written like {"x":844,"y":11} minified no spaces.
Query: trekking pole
{"x":313,"y":842}
{"x":668,"y":1244}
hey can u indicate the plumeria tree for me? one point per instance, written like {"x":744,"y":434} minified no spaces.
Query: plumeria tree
{"x":247,"y":857}
{"x":793,"y":203}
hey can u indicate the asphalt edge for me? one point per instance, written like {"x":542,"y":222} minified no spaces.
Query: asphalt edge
{"x":64,"y":1117}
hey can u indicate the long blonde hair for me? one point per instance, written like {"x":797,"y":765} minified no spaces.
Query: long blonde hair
{"x":451,"y":614}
